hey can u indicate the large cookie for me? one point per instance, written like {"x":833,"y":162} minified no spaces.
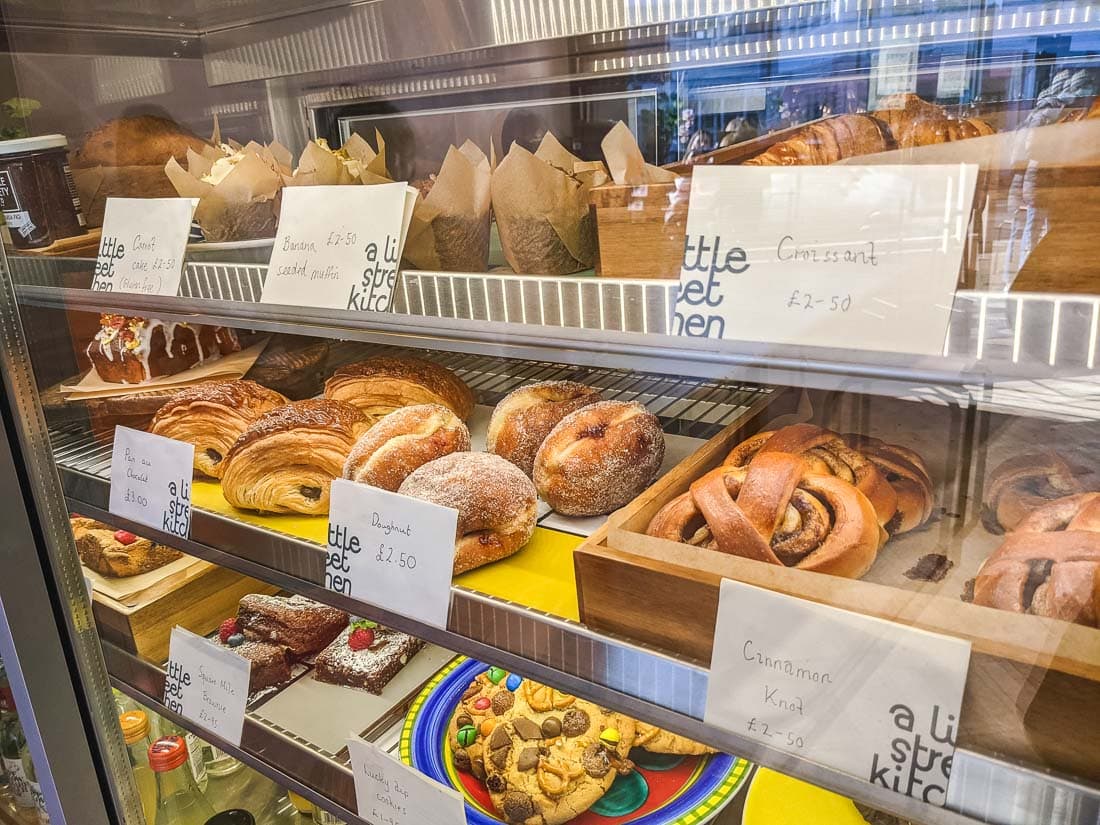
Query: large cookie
{"x":552,"y":756}
{"x":658,"y":740}
{"x":475,"y":717}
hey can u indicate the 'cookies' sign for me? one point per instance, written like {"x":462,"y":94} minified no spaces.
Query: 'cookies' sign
{"x":869,"y":697}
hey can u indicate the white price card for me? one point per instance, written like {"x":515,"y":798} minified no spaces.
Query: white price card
{"x":143,"y":243}
{"x":860,"y":257}
{"x":151,"y":480}
{"x":393,"y":551}
{"x":339,"y":247}
{"x":389,"y":792}
{"x":207,"y":684}
{"x":875,"y":699}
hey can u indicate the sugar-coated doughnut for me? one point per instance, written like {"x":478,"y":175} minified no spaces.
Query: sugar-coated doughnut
{"x":402,"y":441}
{"x":524,"y":417}
{"x":599,"y":458}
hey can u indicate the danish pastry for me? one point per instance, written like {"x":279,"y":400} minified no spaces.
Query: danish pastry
{"x":380,"y":385}
{"x":212,"y":416}
{"x":402,"y":441}
{"x":1049,"y":565}
{"x":496,"y":504}
{"x":524,"y":417}
{"x":286,"y":461}
{"x":776,"y":511}
{"x":598,"y":458}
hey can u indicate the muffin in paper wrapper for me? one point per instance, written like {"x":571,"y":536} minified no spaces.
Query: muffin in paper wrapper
{"x":450,"y":226}
{"x":540,"y":202}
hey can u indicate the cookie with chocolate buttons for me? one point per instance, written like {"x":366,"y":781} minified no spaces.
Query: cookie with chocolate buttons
{"x":475,"y":719}
{"x":552,"y":756}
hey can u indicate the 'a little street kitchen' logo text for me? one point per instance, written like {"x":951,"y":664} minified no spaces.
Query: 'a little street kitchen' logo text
{"x":697,"y":314}
{"x":111,"y":251}
{"x":375,"y":288}
{"x":918,"y":763}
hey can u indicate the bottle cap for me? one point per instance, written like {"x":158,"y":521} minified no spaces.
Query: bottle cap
{"x":167,"y":753}
{"x":233,"y":817}
{"x":135,"y":726}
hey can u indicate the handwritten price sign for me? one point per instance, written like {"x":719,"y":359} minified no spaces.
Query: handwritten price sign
{"x":143,"y":244}
{"x":207,"y":684}
{"x":151,"y":480}
{"x":391,"y":550}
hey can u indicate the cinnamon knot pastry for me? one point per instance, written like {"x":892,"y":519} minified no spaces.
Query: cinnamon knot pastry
{"x":1023,"y":483}
{"x":776,"y":511}
{"x":496,"y":504}
{"x":598,"y":458}
{"x":524,"y":417}
{"x":286,"y":461}
{"x":212,"y":415}
{"x":402,"y":441}
{"x":1050,"y":565}
{"x":906,"y":472}
{"x":382,"y":384}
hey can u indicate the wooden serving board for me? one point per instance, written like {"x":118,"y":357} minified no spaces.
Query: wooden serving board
{"x":78,"y":246}
{"x":197,"y":599}
{"x":1032,"y":679}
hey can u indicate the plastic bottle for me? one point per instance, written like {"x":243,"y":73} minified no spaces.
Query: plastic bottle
{"x":195,"y":750}
{"x":179,"y":800}
{"x":135,"y":730}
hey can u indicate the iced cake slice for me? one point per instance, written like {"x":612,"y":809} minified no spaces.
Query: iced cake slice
{"x":366,"y":655}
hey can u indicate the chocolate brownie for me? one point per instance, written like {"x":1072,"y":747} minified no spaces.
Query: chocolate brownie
{"x":270,"y":664}
{"x":370,"y":668}
{"x":299,"y":624}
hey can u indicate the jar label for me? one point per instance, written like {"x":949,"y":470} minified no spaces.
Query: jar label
{"x":9,"y":199}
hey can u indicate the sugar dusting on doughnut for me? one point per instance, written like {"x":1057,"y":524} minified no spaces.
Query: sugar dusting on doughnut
{"x":524,"y":417}
{"x":599,"y":458}
{"x":496,"y":503}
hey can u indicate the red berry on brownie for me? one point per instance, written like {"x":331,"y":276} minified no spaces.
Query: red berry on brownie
{"x":361,"y":638}
{"x":228,"y":628}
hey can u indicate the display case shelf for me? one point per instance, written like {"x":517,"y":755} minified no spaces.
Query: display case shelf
{"x":1017,"y":352}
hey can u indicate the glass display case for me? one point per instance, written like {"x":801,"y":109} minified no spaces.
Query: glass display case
{"x":747,"y":347}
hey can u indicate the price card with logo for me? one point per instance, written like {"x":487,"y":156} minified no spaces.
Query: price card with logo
{"x":143,"y":243}
{"x":869,"y":697}
{"x":389,"y":792}
{"x":151,"y":480}
{"x":859,"y":257}
{"x":339,"y":246}
{"x":207,"y":684}
{"x":391,"y":550}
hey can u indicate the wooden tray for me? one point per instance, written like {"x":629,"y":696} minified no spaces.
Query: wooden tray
{"x":197,"y":599}
{"x":1031,"y":678}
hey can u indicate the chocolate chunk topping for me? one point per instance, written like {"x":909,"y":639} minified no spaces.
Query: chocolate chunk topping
{"x":463,"y":720}
{"x":528,"y":759}
{"x":473,"y":690}
{"x":526,"y":729}
{"x":551,"y":727}
{"x":499,"y":738}
{"x":499,"y":758}
{"x":312,"y":493}
{"x":595,"y":761}
{"x":213,"y":455}
{"x":462,"y":760}
{"x":932,"y":567}
{"x":575,"y":722}
{"x":518,"y":807}
{"x":502,"y":701}
{"x":495,"y":783}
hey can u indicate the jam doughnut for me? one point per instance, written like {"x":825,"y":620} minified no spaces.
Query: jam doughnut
{"x":524,"y":417}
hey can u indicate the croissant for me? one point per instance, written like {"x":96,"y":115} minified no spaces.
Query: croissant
{"x":819,"y":144}
{"x":825,"y":452}
{"x":382,"y":384}
{"x":1050,"y":565}
{"x":212,"y":415}
{"x":1023,"y":483}
{"x":286,"y":461}
{"x":776,"y":511}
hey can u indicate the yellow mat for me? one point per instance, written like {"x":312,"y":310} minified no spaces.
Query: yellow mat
{"x":777,"y":799}
{"x":538,"y":576}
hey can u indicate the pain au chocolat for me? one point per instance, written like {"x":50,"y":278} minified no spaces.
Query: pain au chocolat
{"x":382,"y":384}
{"x":212,"y":416}
{"x":286,"y":461}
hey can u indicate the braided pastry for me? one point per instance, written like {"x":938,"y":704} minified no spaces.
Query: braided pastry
{"x":906,"y":473}
{"x":1050,"y":565}
{"x":286,"y":461}
{"x":212,"y":415}
{"x":825,"y":452}
{"x":1021,"y":484}
{"x":775,"y":511}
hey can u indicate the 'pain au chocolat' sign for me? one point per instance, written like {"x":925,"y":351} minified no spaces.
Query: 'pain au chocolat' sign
{"x":863,"y":257}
